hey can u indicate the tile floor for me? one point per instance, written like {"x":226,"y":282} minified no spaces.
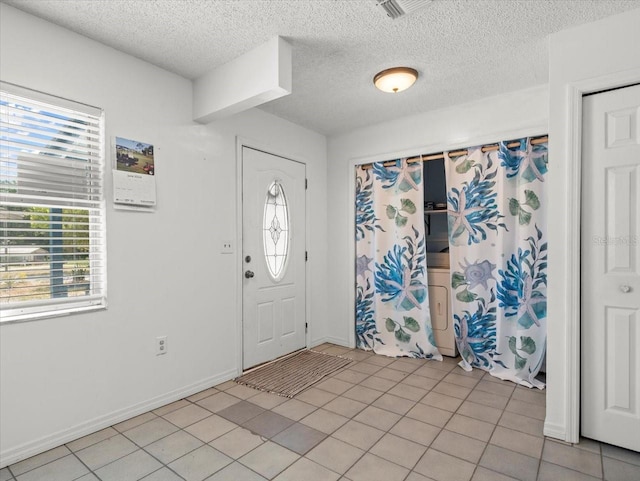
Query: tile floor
{"x":377,"y":419}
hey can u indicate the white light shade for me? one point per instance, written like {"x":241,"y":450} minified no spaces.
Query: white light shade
{"x":395,"y":79}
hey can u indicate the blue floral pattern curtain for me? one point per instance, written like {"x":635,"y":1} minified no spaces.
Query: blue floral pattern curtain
{"x":498,"y":257}
{"x":392,"y":299}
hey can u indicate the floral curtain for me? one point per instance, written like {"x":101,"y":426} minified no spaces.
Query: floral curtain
{"x":498,"y":257}
{"x":392,"y":301}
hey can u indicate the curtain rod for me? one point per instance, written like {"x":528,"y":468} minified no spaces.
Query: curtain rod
{"x":455,"y":153}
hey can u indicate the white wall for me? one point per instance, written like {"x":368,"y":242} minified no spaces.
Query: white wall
{"x":493,"y":119}
{"x":588,"y":58}
{"x":65,"y":377}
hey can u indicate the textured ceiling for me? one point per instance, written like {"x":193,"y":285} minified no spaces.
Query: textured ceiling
{"x":463,"y":49}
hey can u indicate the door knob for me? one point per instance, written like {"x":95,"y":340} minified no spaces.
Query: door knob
{"x":249,"y":274}
{"x":625,"y":289}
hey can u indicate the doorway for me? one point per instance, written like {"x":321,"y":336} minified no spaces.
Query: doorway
{"x":610,"y":268}
{"x":273,"y":256}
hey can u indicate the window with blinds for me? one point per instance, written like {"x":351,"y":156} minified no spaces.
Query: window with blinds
{"x":52,"y":212}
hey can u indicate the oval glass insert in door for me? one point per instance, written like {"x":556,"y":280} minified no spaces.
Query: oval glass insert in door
{"x":275,"y":229}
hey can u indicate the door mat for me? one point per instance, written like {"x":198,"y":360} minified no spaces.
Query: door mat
{"x":287,"y":377}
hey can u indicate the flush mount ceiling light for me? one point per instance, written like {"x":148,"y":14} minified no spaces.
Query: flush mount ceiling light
{"x":395,"y":79}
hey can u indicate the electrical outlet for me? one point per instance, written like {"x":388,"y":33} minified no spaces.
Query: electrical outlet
{"x":161,"y":345}
{"x":227,"y":247}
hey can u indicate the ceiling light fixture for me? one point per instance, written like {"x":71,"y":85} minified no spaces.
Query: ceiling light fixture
{"x":395,"y":79}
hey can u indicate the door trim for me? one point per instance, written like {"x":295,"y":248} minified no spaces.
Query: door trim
{"x":568,"y":301}
{"x":253,"y":144}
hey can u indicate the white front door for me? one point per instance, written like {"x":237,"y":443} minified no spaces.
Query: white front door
{"x":273,"y":256}
{"x":610,"y":277}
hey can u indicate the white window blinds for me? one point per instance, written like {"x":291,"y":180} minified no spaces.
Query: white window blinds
{"x":52,"y":213}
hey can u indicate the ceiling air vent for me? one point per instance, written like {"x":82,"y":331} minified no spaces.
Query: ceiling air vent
{"x":400,"y":8}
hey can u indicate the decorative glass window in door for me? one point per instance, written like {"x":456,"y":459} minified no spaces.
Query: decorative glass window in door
{"x":275,"y":228}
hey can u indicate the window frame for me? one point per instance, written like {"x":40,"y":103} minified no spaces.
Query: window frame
{"x":95,"y":297}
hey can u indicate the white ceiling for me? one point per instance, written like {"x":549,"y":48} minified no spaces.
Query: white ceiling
{"x":463,"y":49}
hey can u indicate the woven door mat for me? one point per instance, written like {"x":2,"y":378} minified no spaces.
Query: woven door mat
{"x":289,"y":376}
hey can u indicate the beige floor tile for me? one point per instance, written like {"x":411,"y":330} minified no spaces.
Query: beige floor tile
{"x":527,"y":409}
{"x":39,"y":460}
{"x":445,"y":365}
{"x":391,"y":374}
{"x":358,"y":434}
{"x":62,"y":469}
{"x":413,"y":476}
{"x":241,"y":412}
{"x":167,"y":408}
{"x":431,"y":373}
{"x":335,"y":454}
{"x":306,"y":469}
{"x":458,"y":445}
{"x":218,"y":402}
{"x":105,"y":452}
{"x":452,"y":390}
{"x":429,"y":414}
{"x":373,"y":468}
{"x":365,"y":368}
{"x":404,"y":366}
{"x":460,"y":380}
{"x":522,"y":423}
{"x":317,"y":397}
{"x":474,"y":428}
{"x":442,"y":401}
{"x":408,"y":392}
{"x":394,"y":404}
{"x":5,"y":475}
{"x":510,"y":463}
{"x":345,"y":407}
{"x":236,"y":472}
{"x":572,"y":458}
{"x":620,"y":454}
{"x":553,"y":472}
{"x":381,"y":360}
{"x":210,"y":428}
{"x":488,"y":399}
{"x":378,"y":418}
{"x":616,"y":470}
{"x":269,"y":459}
{"x":337,"y":350}
{"x":173,"y":446}
{"x":162,"y":474}
{"x":478,"y":411}
{"x":267,"y":400}
{"x":584,"y":443}
{"x":362,"y":394}
{"x":421,"y":382}
{"x":187,"y":415}
{"x":237,"y":443}
{"x":324,"y":421}
{"x":133,"y":422}
{"x":334,"y":386}
{"x":226,"y":385}
{"x":130,"y":468}
{"x":294,"y":409}
{"x":484,"y":474}
{"x":442,"y":467}
{"x":202,"y":394}
{"x":398,"y":450}
{"x":150,"y":431}
{"x":199,"y":464}
{"x":516,"y":441}
{"x":359,"y":354}
{"x":533,"y":395}
{"x":351,"y":376}
{"x":242,"y":392}
{"x":378,"y":383}
{"x":416,"y":431}
{"x":499,"y":387}
{"x":91,"y":439}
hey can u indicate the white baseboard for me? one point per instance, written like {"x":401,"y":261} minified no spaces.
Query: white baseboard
{"x":556,"y":431}
{"x":31,"y":448}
